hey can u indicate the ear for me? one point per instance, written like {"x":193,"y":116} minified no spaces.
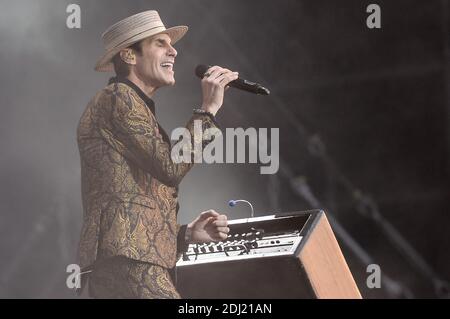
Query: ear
{"x":127,"y":55}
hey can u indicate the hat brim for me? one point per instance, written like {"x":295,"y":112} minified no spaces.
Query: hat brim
{"x":104,"y":64}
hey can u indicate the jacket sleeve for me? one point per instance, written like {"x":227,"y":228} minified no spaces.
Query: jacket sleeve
{"x":182,"y":245}
{"x":135,"y":134}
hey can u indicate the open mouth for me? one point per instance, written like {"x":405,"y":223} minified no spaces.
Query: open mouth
{"x":167,"y":65}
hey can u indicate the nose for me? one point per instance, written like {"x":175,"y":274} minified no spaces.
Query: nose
{"x":172,"y":52}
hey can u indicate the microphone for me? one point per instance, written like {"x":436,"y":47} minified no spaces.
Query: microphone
{"x":233,"y":203}
{"x":239,"y":83}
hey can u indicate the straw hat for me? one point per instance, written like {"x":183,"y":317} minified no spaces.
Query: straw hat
{"x":131,"y":30}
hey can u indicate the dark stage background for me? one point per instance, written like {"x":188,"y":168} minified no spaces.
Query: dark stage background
{"x":364,"y":117}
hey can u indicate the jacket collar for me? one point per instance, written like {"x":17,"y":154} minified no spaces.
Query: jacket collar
{"x":148,"y":101}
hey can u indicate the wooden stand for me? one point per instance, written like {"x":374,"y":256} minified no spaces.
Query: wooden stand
{"x":324,"y":264}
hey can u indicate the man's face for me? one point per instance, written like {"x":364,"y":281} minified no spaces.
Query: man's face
{"x":155,"y":65}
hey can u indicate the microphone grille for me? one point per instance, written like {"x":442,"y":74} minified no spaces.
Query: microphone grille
{"x":200,"y":70}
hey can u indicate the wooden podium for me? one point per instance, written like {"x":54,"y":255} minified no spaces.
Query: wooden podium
{"x":297,"y":256}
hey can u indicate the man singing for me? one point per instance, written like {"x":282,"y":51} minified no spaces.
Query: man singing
{"x":130,"y":236}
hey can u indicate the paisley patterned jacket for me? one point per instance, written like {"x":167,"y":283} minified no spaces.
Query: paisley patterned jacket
{"x":129,"y":181}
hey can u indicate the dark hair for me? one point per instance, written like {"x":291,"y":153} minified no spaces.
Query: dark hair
{"x":121,"y":68}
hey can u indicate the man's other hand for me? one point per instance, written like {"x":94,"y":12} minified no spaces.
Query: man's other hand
{"x":208,"y":226}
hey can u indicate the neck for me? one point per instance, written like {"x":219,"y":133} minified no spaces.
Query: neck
{"x":145,"y":87}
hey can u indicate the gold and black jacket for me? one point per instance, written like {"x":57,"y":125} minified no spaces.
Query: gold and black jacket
{"x":129,"y":180}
